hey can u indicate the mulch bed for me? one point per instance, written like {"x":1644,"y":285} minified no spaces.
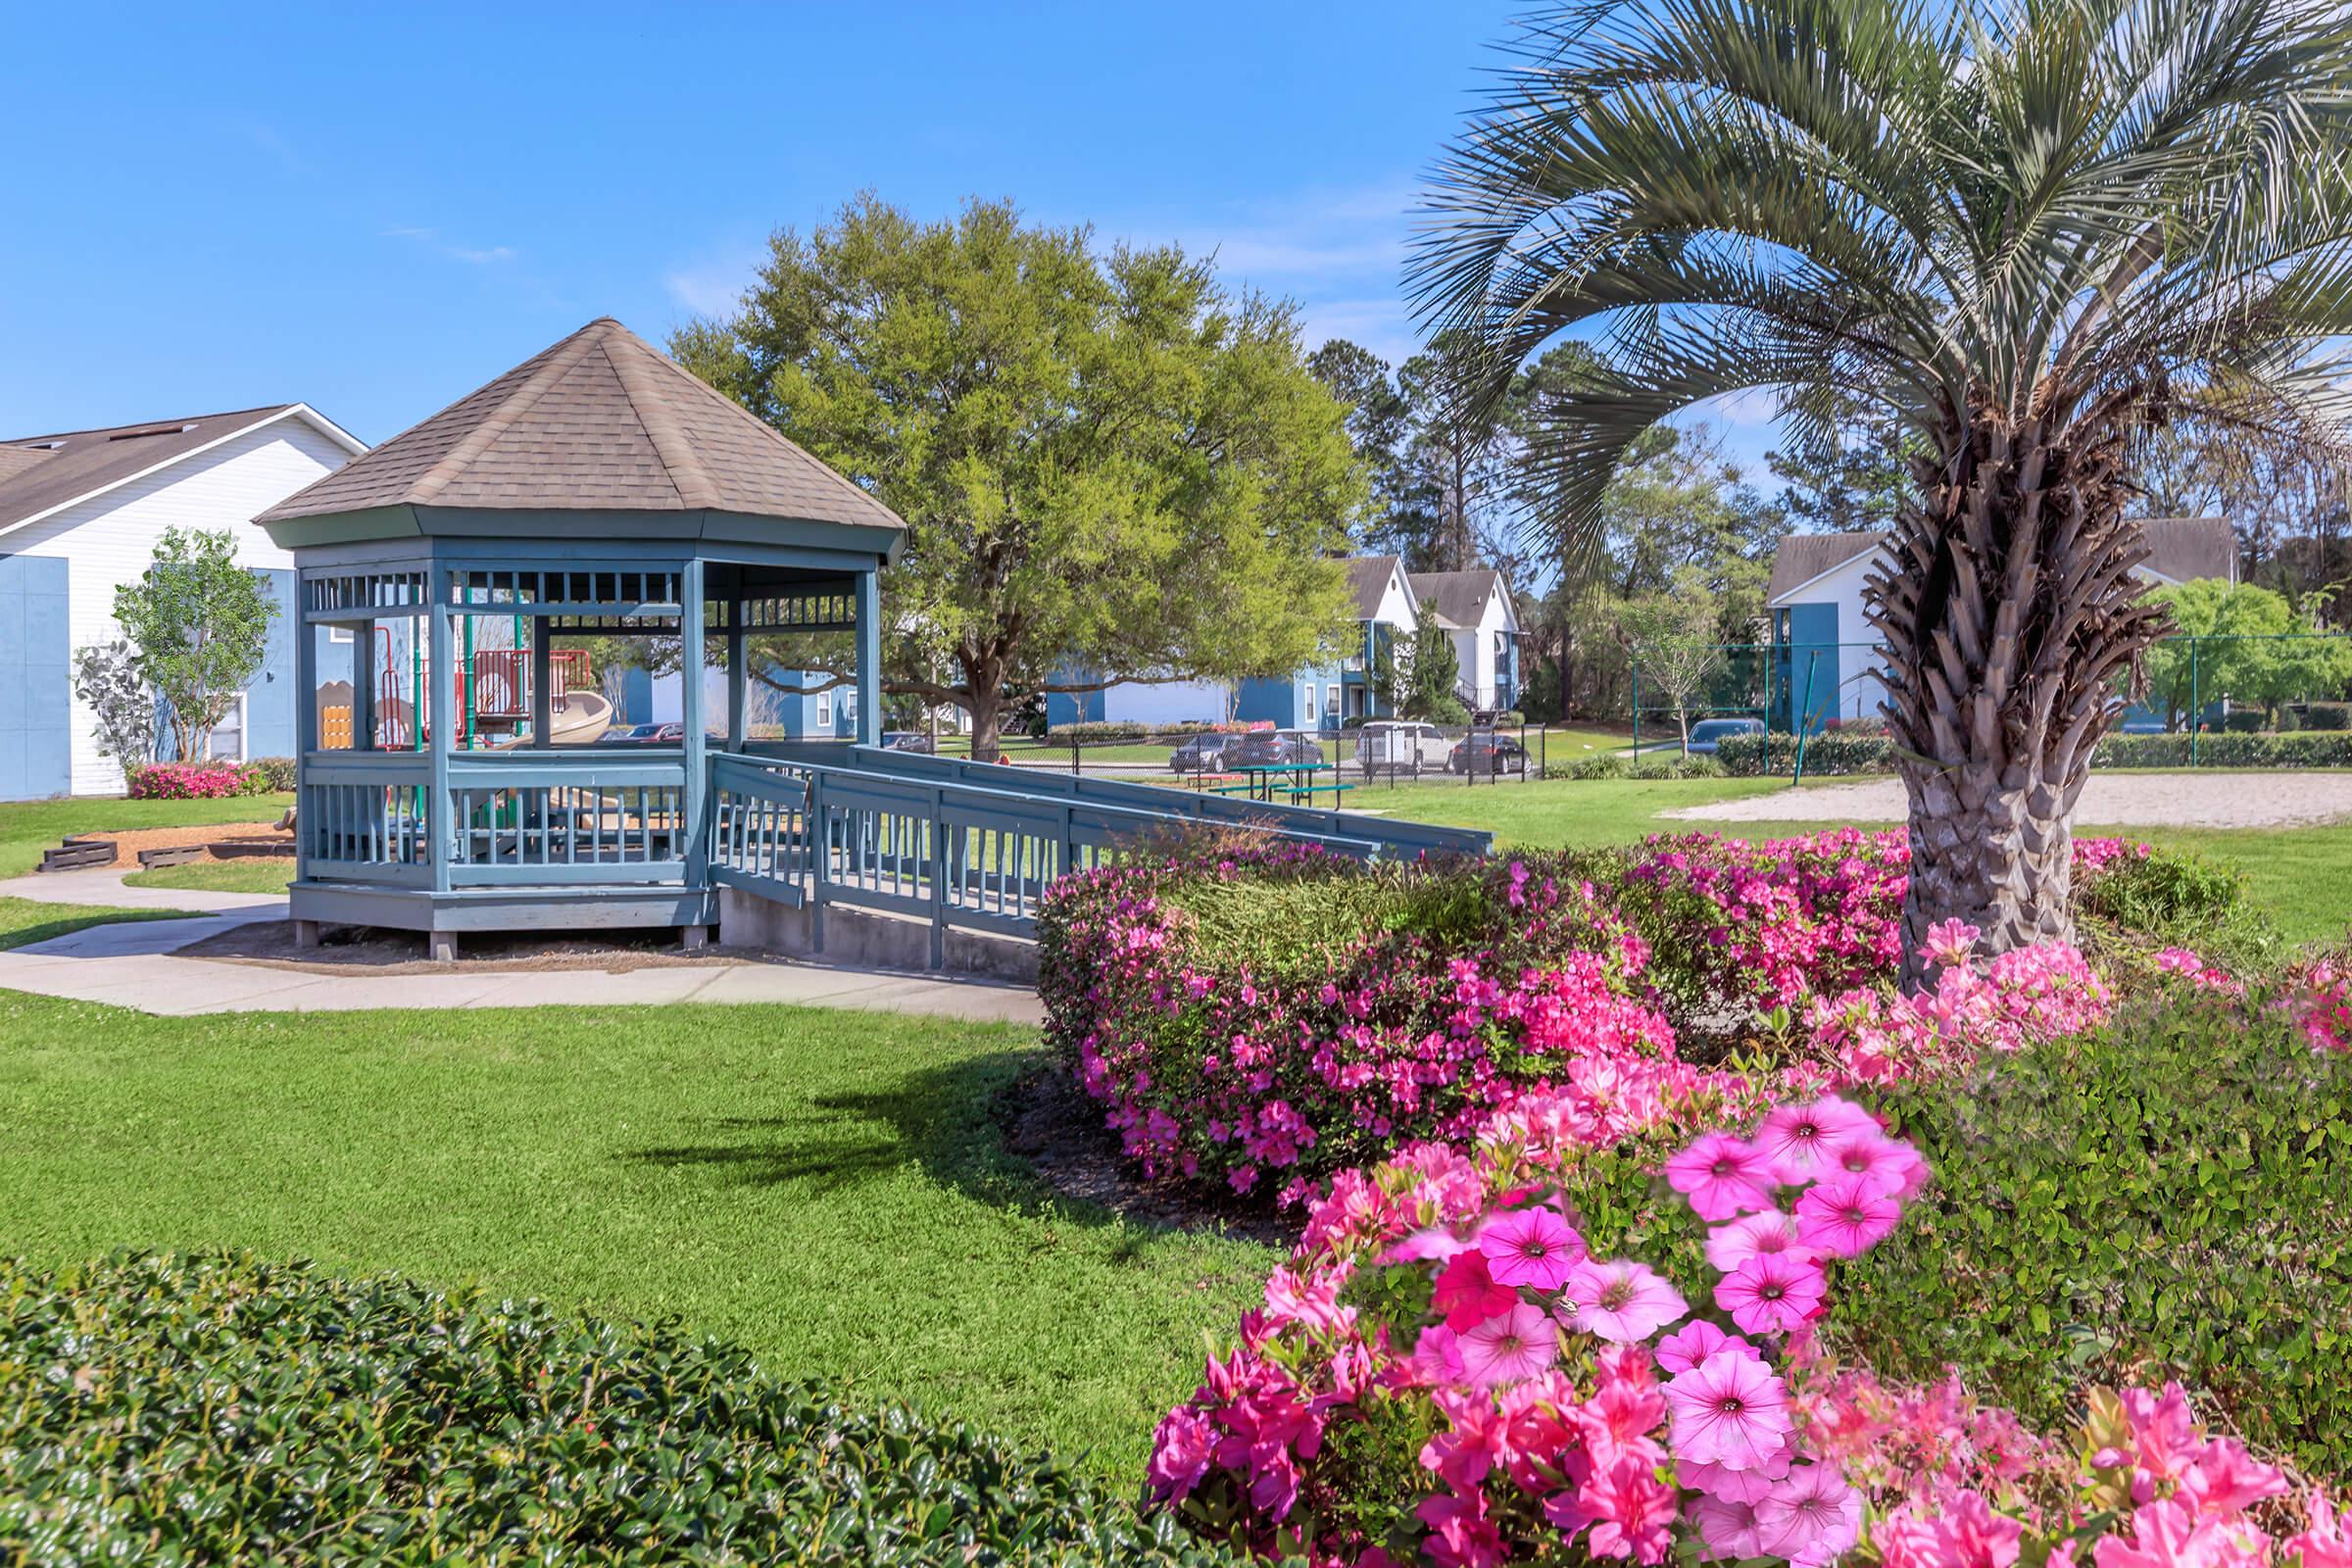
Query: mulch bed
{"x":1049,"y":1122}
{"x":245,"y":837}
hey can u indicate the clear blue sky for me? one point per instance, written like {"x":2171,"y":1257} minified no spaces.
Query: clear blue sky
{"x":375,"y":212}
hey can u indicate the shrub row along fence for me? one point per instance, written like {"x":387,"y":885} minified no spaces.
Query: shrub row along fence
{"x":1798,"y":706}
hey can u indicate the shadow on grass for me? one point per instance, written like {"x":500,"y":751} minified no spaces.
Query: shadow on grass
{"x":938,"y":1118}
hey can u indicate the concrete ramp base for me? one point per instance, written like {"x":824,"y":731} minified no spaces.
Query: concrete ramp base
{"x":869,"y":939}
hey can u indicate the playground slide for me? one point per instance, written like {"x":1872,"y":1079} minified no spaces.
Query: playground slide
{"x":580,"y":718}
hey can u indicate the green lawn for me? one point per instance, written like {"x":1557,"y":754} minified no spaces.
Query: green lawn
{"x":823,"y":1186}
{"x":258,"y":873}
{"x":28,"y":827}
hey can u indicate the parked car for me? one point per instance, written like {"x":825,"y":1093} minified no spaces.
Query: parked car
{"x":1488,"y":754}
{"x":1272,"y":747}
{"x":643,"y":734}
{"x":1402,"y":746}
{"x":1709,"y":733}
{"x":1202,"y":753}
{"x":908,"y":739}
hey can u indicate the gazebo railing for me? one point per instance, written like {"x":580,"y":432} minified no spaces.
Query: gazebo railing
{"x":972,"y":848}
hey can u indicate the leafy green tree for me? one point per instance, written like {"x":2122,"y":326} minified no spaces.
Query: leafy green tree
{"x":1110,"y":467}
{"x":1852,"y":479}
{"x":201,"y":623}
{"x":112,"y":684}
{"x":1670,"y":634}
{"x":1432,"y":672}
{"x":2030,"y":234}
{"x":2251,"y":645}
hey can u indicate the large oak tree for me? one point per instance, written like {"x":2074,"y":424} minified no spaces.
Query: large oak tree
{"x":1110,"y":467}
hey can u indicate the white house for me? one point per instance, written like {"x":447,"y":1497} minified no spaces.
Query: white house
{"x":1475,"y":607}
{"x":1823,"y":647}
{"x":80,"y":513}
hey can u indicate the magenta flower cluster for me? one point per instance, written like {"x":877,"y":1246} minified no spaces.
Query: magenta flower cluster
{"x":1556,"y":1398}
{"x":190,"y":781}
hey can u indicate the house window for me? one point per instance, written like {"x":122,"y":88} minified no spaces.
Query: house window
{"x":225,"y":742}
{"x":1307,"y":702}
{"x":824,"y":710}
{"x":338,"y":634}
{"x":1330,"y":700}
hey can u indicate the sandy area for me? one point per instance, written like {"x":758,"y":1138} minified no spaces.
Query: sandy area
{"x":129,"y":843}
{"x":2127,"y":800}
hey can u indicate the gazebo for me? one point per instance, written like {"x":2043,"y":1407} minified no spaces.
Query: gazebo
{"x":596,"y":490}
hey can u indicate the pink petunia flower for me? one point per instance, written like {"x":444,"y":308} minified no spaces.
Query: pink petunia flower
{"x":1810,"y":1518}
{"x":1519,"y":1344}
{"x":1695,"y":1342}
{"x":1621,"y":1301}
{"x":1728,"y":1410}
{"x":1795,"y":1137}
{"x":1722,"y":1176}
{"x":1890,"y":1165}
{"x":1732,"y":1244}
{"x":1773,"y":1292}
{"x":1727,"y":1529}
{"x":1845,"y":1217}
{"x":1733,"y":1485}
{"x":1531,"y":1247}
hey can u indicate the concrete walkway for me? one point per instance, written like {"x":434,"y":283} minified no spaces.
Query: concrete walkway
{"x":136,"y":964}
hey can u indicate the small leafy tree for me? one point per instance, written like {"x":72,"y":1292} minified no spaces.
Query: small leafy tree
{"x":2250,"y":644}
{"x":1670,"y":636}
{"x":1432,"y":671}
{"x":111,"y":685}
{"x":201,"y":624}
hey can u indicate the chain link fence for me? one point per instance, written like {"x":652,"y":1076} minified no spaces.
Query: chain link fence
{"x":2255,"y":700}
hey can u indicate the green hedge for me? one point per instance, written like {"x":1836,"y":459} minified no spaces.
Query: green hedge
{"x":2165,"y":1198}
{"x":1829,"y":751}
{"x":219,"y":1409}
{"x":2314,"y":748}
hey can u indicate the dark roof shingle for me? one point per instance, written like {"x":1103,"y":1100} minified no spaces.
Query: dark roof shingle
{"x":598,"y":421}
{"x":1458,"y":596}
{"x":40,"y":473}
{"x":1368,"y":580}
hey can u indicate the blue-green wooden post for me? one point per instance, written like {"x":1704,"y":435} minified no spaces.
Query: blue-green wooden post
{"x":2197,"y":715}
{"x":306,"y":728}
{"x":363,"y":686}
{"x":739,"y":676}
{"x":694,"y":646}
{"x":441,"y":717}
{"x":543,"y":673}
{"x":870,"y":660}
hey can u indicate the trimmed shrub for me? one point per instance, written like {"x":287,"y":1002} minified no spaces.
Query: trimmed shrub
{"x":2317,"y":746}
{"x":2327,"y":716}
{"x":221,"y":1409}
{"x":2164,"y":1197}
{"x":2145,"y":902}
{"x":1606,"y":764}
{"x":1098,"y":732}
{"x":1834,"y":751}
{"x":193,"y":781}
{"x":2245,"y":721}
{"x":273,"y":775}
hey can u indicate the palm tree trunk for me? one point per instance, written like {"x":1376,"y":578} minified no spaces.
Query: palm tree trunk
{"x":2009,"y":611}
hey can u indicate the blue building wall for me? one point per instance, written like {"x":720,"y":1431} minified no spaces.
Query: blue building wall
{"x":1285,"y":702}
{"x":36,"y":680}
{"x":1184,"y":701}
{"x":1807,"y":656}
{"x":270,"y":695}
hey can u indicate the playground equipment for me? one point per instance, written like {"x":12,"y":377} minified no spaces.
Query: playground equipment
{"x":493,"y":697}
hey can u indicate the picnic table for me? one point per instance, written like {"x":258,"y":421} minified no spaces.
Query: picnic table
{"x":1295,"y":782}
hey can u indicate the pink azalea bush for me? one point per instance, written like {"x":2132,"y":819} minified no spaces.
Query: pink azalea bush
{"x":1420,"y":1005}
{"x":1240,"y":1071}
{"x":193,"y":781}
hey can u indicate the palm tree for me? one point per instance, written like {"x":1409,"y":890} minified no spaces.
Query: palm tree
{"x":2034,"y":232}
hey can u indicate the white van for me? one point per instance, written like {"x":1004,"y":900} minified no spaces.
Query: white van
{"x":1402,"y":746}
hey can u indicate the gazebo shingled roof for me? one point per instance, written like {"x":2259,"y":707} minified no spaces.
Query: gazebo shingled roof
{"x":600,"y":421}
